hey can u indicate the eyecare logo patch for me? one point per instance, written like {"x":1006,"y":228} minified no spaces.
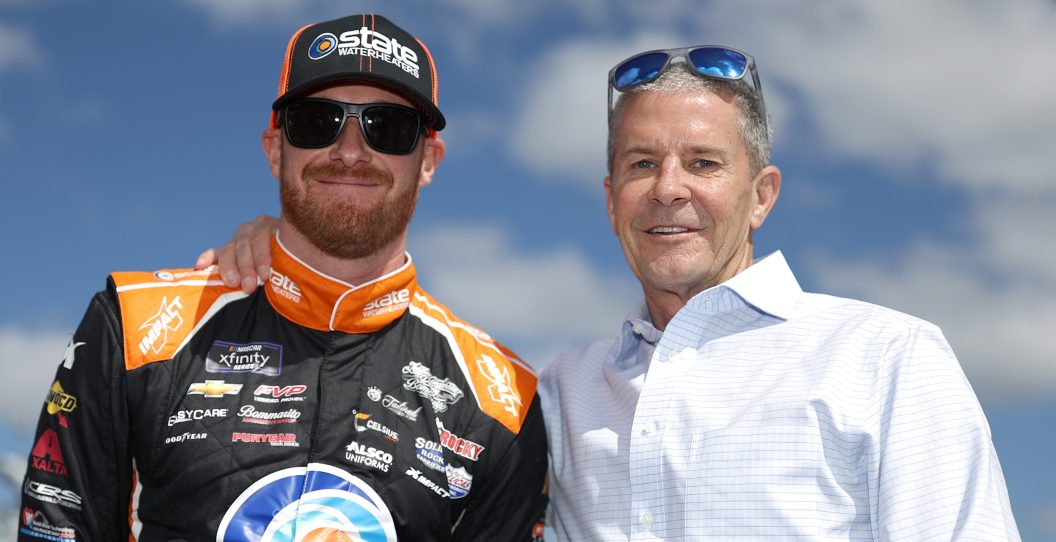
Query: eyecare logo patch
{"x":261,"y":358}
{"x":368,"y":43}
{"x":440,"y":392}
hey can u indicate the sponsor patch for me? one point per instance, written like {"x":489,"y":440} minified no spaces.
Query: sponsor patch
{"x":59,"y":403}
{"x":500,"y":389}
{"x":425,"y":481}
{"x":47,"y":454}
{"x":390,"y":302}
{"x":458,"y":481}
{"x":369,"y":456}
{"x":368,"y":43}
{"x":429,"y":453}
{"x":68,"y":357}
{"x":185,"y":437}
{"x":169,"y":276}
{"x":183,"y":416}
{"x":158,"y":326}
{"x":364,"y":423}
{"x":274,"y":439}
{"x":400,"y":408}
{"x":279,"y":394}
{"x":284,"y":286}
{"x":214,"y":388}
{"x":250,"y":414}
{"x":440,"y":392}
{"x":36,"y":524}
{"x":52,"y":494}
{"x":465,"y":448}
{"x":260,"y":358}
{"x":373,"y":393}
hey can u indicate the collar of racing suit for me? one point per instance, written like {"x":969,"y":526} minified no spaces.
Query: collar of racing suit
{"x":318,"y":301}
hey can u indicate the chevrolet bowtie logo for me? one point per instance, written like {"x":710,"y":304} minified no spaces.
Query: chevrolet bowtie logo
{"x":214,"y":388}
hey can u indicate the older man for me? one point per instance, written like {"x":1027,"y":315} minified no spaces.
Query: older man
{"x":732,"y":404}
{"x":342,"y":402}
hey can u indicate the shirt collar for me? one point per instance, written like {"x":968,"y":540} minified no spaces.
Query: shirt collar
{"x":768,"y":285}
{"x":318,"y":301}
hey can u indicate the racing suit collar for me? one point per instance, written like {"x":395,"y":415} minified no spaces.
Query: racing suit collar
{"x":318,"y":301}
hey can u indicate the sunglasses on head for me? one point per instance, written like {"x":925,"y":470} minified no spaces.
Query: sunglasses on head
{"x":711,"y":61}
{"x":313,"y":123}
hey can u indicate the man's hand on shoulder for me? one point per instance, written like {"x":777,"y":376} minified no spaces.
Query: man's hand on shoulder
{"x":246,"y":258}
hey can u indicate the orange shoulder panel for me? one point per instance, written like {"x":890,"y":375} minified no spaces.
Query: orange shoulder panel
{"x":160,"y":311}
{"x":503,"y":384}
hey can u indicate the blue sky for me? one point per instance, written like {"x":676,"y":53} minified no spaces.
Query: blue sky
{"x":913,"y":138}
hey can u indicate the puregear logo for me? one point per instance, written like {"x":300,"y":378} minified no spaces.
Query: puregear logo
{"x":368,"y":43}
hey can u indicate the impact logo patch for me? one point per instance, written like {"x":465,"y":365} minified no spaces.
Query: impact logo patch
{"x":317,"y":502}
{"x":260,"y":358}
{"x":158,"y":326}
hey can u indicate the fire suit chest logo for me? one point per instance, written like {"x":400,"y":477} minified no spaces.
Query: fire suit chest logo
{"x":261,"y":358}
{"x":52,"y":494}
{"x":36,"y":524}
{"x":500,"y":389}
{"x":440,"y":392}
{"x":463,"y":447}
{"x":369,"y":456}
{"x":214,"y":388}
{"x":458,"y":481}
{"x":59,"y":403}
{"x":158,"y":326}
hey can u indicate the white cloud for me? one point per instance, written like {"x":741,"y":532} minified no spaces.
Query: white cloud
{"x":230,"y":12}
{"x":18,"y":47}
{"x":542,"y":303}
{"x":29,"y":359}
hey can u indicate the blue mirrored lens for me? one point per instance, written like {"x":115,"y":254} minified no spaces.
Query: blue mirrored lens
{"x":718,"y":62}
{"x":638,"y":70}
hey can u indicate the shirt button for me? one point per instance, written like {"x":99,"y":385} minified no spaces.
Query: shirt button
{"x":648,"y":429}
{"x":647,"y":519}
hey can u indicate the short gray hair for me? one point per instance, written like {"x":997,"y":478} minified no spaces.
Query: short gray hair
{"x":754,"y":128}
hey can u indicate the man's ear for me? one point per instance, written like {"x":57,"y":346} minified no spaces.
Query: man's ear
{"x":271,"y":142}
{"x":609,"y":199}
{"x":434,"y":154}
{"x":767,"y":186}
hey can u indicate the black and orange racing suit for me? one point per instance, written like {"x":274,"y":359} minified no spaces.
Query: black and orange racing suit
{"x":309,"y":410}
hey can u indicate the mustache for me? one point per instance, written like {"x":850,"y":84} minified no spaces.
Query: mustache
{"x":360,"y":170}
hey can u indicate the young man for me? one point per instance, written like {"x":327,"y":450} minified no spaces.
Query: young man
{"x":341,"y":401}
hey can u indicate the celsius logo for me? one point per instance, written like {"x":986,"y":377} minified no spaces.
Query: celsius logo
{"x":322,"y":46}
{"x":317,"y":502}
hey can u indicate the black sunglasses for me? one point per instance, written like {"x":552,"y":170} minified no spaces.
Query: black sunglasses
{"x":313,"y":123}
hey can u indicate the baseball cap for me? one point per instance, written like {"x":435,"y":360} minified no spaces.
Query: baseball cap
{"x":366,"y":48}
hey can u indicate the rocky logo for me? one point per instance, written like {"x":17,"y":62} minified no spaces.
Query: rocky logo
{"x":259,"y":358}
{"x":465,"y":448}
{"x":440,"y":392}
{"x":47,"y":454}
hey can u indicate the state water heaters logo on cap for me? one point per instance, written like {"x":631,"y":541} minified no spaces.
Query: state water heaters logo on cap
{"x":317,"y":502}
{"x":323,"y":45}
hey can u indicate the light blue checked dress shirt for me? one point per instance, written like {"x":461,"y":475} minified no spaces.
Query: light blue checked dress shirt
{"x":764,"y":412}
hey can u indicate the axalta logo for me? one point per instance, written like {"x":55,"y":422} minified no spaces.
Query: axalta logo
{"x":368,"y":43}
{"x":465,"y":448}
{"x":158,"y":326}
{"x":47,"y":454}
{"x":214,"y":388}
{"x":53,"y":494}
{"x":392,"y":301}
{"x":182,"y":416}
{"x":284,"y":286}
{"x":500,"y":389}
{"x":369,"y":456}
